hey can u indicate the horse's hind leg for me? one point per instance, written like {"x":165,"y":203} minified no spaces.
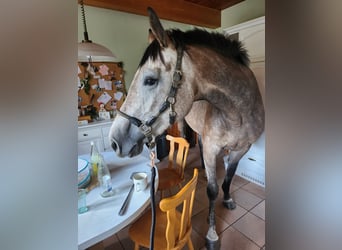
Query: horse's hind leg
{"x":200,"y":145}
{"x":233,"y":161}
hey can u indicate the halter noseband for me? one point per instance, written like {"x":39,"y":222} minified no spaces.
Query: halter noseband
{"x":146,"y":128}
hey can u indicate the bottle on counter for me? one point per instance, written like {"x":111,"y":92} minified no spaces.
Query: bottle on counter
{"x":94,"y":160}
{"x":104,"y":178}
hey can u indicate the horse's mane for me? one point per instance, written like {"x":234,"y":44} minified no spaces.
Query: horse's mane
{"x":223,"y":45}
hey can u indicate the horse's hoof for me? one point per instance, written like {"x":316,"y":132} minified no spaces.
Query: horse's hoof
{"x":230,"y":204}
{"x":212,"y":245}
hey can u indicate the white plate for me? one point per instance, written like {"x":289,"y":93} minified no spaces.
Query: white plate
{"x":82,"y":164}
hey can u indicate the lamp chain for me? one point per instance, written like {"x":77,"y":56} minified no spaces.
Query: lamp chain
{"x":86,"y":39}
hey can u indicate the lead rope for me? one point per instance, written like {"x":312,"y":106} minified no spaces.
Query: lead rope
{"x":153,"y":205}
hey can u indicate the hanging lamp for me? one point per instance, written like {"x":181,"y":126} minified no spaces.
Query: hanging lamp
{"x":92,"y":52}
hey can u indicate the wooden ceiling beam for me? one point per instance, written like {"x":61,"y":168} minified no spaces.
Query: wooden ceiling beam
{"x":216,"y":4}
{"x":174,"y":10}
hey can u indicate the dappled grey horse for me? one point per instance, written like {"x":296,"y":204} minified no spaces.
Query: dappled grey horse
{"x":203,"y":78}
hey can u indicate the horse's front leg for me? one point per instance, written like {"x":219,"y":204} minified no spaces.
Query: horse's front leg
{"x":233,"y":161}
{"x":212,"y":239}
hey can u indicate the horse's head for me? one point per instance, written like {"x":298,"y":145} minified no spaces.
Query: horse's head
{"x":157,"y":95}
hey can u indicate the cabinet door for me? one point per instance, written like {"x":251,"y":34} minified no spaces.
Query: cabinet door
{"x":84,"y":146}
{"x":252,"y":164}
{"x":85,"y":136}
{"x":252,"y":35}
{"x":258,"y":69}
{"x":88,"y":134}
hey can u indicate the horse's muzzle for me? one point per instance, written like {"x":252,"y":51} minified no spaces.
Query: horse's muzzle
{"x":130,"y":151}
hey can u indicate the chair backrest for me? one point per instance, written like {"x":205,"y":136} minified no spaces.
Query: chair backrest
{"x":178,"y":229}
{"x":178,"y":161}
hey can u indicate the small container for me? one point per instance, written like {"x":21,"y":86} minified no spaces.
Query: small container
{"x":104,"y":178}
{"x":140,"y":181}
{"x":82,"y":201}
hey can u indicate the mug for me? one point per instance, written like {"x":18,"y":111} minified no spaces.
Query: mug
{"x":140,"y":181}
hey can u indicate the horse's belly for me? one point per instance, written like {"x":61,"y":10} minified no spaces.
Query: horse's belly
{"x":203,"y":124}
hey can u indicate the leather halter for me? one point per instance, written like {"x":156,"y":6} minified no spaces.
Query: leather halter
{"x":146,"y":128}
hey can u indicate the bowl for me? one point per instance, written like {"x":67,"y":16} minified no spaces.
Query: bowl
{"x":83,"y":172}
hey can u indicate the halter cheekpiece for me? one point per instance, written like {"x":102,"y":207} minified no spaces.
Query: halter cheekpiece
{"x":146,"y":128}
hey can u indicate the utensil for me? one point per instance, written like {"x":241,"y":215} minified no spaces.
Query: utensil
{"x":128,"y":198}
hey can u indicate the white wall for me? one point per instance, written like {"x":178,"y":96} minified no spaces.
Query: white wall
{"x":123,"y":33}
{"x":126,"y":34}
{"x":242,"y":12}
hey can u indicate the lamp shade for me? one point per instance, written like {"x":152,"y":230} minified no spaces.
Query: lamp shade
{"x":89,"y":51}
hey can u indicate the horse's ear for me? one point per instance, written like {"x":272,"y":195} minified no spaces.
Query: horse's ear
{"x":151,"y":37}
{"x":156,"y":27}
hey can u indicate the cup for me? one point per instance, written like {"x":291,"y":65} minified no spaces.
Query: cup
{"x":82,"y":203}
{"x":140,"y":181}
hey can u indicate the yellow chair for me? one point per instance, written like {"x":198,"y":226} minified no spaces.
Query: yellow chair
{"x":173,"y":228}
{"x":173,"y":174}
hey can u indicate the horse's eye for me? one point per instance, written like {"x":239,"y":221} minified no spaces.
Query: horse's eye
{"x":150,"y":81}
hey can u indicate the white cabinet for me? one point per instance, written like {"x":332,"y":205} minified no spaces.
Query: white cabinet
{"x":252,"y":164}
{"x":98,"y":133}
{"x":252,"y":35}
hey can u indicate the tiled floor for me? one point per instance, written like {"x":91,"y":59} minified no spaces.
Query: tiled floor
{"x":240,"y":229}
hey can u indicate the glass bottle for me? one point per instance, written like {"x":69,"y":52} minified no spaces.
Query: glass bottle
{"x":94,"y":160}
{"x":104,"y":178}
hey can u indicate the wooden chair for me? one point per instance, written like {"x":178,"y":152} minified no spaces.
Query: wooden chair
{"x":173,"y":174}
{"x":173,"y":228}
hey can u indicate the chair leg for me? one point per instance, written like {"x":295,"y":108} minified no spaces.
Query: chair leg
{"x":136,"y":246}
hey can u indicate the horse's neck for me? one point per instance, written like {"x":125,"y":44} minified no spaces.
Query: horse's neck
{"x":226,"y":92}
{"x":213,"y":81}
{"x":214,"y":92}
{"x":210,"y":74}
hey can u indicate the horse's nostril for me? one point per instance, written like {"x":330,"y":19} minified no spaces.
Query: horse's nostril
{"x":114,"y":145}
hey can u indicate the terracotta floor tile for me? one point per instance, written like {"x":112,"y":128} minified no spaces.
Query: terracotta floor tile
{"x":231,"y":239}
{"x":255,"y":189}
{"x":197,"y":241}
{"x":123,"y":236}
{"x":259,"y":210}
{"x":252,"y":227}
{"x":220,"y":170}
{"x":239,"y":181}
{"x":245,"y":199}
{"x":112,"y":243}
{"x":229,"y":216}
{"x":199,"y":206}
{"x":201,"y":195}
{"x":200,"y":224}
